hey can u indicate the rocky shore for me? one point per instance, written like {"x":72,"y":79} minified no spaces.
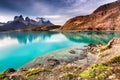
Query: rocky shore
{"x":93,"y":62}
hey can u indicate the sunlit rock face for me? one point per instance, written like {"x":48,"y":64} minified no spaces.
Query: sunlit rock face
{"x":106,"y":17}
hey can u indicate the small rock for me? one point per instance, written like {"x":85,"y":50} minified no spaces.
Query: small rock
{"x":53,"y":62}
{"x":16,"y":77}
{"x":72,"y":51}
{"x":112,"y":76}
{"x":10,"y":70}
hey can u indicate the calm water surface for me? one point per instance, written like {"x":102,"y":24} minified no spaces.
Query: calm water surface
{"x":19,"y":48}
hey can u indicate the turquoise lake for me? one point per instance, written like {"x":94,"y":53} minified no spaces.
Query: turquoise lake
{"x":19,"y":48}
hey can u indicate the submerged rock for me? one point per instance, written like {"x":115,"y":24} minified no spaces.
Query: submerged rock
{"x":72,"y":52}
{"x":10,"y":70}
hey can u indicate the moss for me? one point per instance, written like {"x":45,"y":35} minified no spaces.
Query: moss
{"x":2,"y":76}
{"x":87,"y":74}
{"x":101,"y":55}
{"x":70,"y":75}
{"x":114,"y":60}
{"x":65,"y":68}
{"x":96,"y":71}
{"x":77,"y":69}
{"x":35,"y":72}
{"x":105,"y":48}
{"x":100,"y":76}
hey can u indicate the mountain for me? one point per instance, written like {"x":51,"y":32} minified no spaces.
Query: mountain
{"x":1,"y":24}
{"x":106,"y":17}
{"x":20,"y":23}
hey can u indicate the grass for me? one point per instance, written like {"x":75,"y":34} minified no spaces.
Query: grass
{"x":35,"y":72}
{"x":70,"y":75}
{"x":2,"y":76}
{"x":116,"y":59}
{"x":104,"y":48}
{"x":101,"y":55}
{"x":78,"y":69}
{"x":96,"y":71}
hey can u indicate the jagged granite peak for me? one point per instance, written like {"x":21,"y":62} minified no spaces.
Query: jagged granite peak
{"x":19,"y":22}
{"x":18,"y":18}
{"x":27,"y":19}
{"x":40,"y":19}
{"x":105,"y":17}
{"x":43,"y":21}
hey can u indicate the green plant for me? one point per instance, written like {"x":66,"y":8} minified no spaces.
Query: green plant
{"x":103,"y":55}
{"x":96,"y":71}
{"x":70,"y":75}
{"x":104,"y":48}
{"x":100,"y":76}
{"x":35,"y":72}
{"x":116,"y":59}
{"x":2,"y":76}
{"x":77,"y":69}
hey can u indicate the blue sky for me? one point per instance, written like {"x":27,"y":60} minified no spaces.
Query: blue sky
{"x":58,"y":11}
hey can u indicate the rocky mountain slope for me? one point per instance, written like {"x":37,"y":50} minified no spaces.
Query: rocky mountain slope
{"x":106,"y":17}
{"x":19,"y":23}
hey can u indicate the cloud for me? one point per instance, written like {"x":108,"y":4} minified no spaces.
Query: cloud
{"x":52,"y":16}
{"x":58,"y":11}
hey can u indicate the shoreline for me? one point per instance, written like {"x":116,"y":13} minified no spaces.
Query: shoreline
{"x":62,"y":30}
{"x":65,"y":55}
{"x":105,"y":59}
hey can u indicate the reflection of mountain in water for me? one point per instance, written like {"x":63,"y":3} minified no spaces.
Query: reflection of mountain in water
{"x":80,"y":37}
{"x":92,"y":37}
{"x":23,"y":37}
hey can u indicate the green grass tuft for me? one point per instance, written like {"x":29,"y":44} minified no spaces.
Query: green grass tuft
{"x":2,"y":76}
{"x":114,"y":60}
{"x":70,"y":75}
{"x":35,"y":72}
{"x":105,"y":48}
{"x":96,"y":71}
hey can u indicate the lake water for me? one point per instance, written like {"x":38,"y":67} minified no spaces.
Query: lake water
{"x":19,"y":48}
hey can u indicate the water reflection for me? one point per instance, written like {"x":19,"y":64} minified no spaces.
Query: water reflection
{"x":26,"y":37}
{"x":82,"y":37}
{"x":92,"y":37}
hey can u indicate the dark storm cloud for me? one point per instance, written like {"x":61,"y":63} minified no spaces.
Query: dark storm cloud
{"x":56,"y":10}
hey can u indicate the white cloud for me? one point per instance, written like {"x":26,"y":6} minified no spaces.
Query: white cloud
{"x":59,"y":14}
{"x":52,"y":16}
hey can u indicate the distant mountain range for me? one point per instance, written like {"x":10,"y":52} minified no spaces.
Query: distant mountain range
{"x":1,"y":24}
{"x":20,"y":23}
{"x":106,"y":17}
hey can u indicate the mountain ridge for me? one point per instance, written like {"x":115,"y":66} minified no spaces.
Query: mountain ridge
{"x":105,"y":17}
{"x":20,"y":22}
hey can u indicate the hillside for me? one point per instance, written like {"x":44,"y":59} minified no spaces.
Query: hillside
{"x":106,"y":17}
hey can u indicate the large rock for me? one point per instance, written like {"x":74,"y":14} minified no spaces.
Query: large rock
{"x":115,"y":41}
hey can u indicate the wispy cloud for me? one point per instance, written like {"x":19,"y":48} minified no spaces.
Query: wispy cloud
{"x":58,"y":11}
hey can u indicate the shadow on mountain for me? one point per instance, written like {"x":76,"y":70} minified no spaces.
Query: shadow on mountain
{"x":24,"y":37}
{"x":92,"y":37}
